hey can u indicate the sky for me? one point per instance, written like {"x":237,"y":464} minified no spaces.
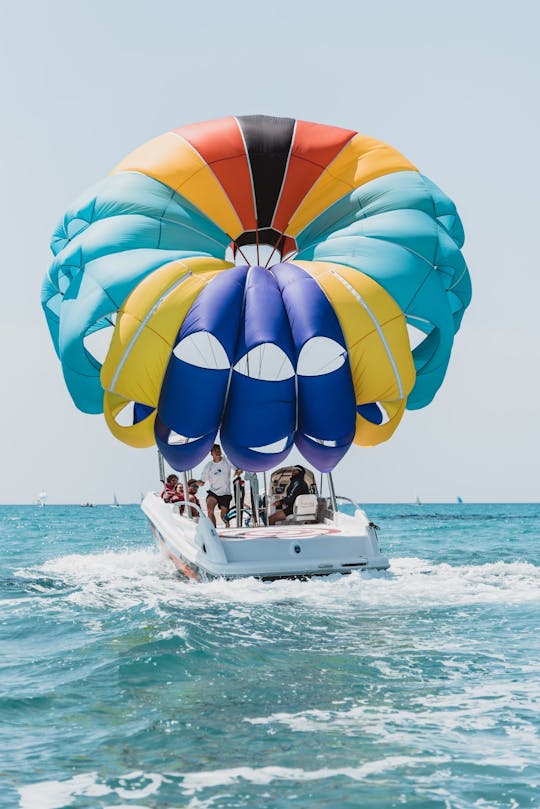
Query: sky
{"x":452,"y":86}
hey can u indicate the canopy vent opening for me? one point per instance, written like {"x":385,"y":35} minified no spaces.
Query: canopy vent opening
{"x":175,"y":439}
{"x":98,"y":338}
{"x":204,"y":350}
{"x":416,"y":336}
{"x":125,"y":416}
{"x":277,"y":446}
{"x":253,"y":255}
{"x":266,"y":361}
{"x":324,"y":442}
{"x":319,"y":356}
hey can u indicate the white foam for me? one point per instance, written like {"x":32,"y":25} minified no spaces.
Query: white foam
{"x":263,"y":776}
{"x":59,"y":794}
{"x":460,"y":718}
{"x":121,"y":579}
{"x":155,"y":780}
{"x":62,"y":794}
{"x":112,"y":579}
{"x":411,"y":582}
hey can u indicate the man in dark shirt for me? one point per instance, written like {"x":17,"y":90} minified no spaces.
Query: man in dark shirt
{"x":296,"y":487}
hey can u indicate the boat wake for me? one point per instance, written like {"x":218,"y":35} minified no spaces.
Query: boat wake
{"x":125,"y":578}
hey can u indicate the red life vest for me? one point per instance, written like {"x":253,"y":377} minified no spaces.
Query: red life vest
{"x":170,"y":495}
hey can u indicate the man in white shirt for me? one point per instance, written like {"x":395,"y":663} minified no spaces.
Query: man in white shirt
{"x":217,"y":473}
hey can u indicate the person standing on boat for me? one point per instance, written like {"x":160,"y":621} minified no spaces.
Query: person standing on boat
{"x":296,"y":487}
{"x":217,"y":473}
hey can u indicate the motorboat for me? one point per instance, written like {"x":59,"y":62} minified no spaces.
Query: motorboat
{"x":317,"y":539}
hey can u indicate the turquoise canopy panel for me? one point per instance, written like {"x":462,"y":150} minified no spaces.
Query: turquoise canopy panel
{"x":405,"y":233}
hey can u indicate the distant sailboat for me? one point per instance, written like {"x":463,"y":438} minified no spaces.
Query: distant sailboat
{"x":459,"y":499}
{"x":41,"y":499}
{"x":115,"y":503}
{"x":418,"y":502}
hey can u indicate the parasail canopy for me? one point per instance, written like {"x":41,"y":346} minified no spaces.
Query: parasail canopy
{"x":277,"y":281}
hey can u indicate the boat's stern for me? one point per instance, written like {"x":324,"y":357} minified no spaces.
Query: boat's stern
{"x":340,"y":544}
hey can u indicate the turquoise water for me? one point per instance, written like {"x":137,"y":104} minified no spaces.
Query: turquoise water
{"x":122,"y":685}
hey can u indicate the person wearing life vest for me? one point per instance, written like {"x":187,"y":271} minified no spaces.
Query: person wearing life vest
{"x":193,"y":488}
{"x":296,"y":487}
{"x":173,"y":492}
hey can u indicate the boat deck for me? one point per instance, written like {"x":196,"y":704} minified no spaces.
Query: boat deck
{"x":298,"y":531}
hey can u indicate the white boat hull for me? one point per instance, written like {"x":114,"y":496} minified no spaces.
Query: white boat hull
{"x":339,"y":545}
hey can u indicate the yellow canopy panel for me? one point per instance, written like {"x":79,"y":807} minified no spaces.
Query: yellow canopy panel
{"x":377,"y":341}
{"x":144,"y":336}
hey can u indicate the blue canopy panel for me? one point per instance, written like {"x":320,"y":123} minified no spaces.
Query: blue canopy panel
{"x":181,"y":456}
{"x":141,"y":412}
{"x":259,"y":422}
{"x":326,"y":400}
{"x":195,"y":384}
{"x":259,"y":413}
{"x":371,"y":412}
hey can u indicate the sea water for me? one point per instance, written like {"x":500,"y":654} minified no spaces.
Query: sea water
{"x":123,"y":685}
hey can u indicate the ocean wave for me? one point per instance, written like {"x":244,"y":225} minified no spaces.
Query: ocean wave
{"x":205,"y":788}
{"x":139,"y":785}
{"x":458,"y":715}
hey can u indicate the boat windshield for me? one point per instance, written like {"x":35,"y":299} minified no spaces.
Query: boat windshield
{"x":281,"y":478}
{"x":256,"y":505}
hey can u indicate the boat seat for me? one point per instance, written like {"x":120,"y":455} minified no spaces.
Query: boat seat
{"x":304,"y":509}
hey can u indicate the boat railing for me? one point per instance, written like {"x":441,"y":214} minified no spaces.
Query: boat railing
{"x":232,"y":513}
{"x":178,"y":504}
{"x":356,"y":505}
{"x":348,"y":500}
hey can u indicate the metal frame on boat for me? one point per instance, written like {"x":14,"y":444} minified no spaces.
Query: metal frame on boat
{"x":316,"y":539}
